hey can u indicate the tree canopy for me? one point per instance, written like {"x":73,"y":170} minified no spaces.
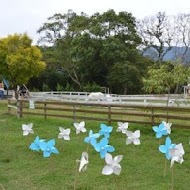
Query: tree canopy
{"x":19,"y":60}
{"x":90,"y":48}
{"x":169,"y":77}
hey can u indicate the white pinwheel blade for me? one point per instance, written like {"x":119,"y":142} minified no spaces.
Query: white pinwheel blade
{"x":117,"y":170}
{"x":107,"y":170}
{"x":61,"y":129}
{"x":129,"y":141}
{"x":83,"y":161}
{"x":137,"y":134}
{"x":120,"y":124}
{"x":30,"y":125}
{"x":125,"y":125}
{"x":76,"y":125}
{"x":82,"y":124}
{"x":118,"y":158}
{"x":66,"y":137}
{"x":67,"y":131}
{"x":136,"y":142}
{"x":24,"y":127}
{"x":25,"y":133}
{"x":60,"y":136}
{"x":129,"y":134}
{"x":108,"y":158}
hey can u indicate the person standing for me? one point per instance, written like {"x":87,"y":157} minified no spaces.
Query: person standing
{"x":2,"y":90}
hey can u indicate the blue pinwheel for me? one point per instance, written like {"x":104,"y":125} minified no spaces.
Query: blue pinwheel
{"x":103,"y":147}
{"x":105,"y":130}
{"x":36,"y":144}
{"x":160,"y":130}
{"x":91,"y":136}
{"x":48,"y":148}
{"x":165,"y":148}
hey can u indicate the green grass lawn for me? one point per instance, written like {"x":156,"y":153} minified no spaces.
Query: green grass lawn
{"x":22,"y":169}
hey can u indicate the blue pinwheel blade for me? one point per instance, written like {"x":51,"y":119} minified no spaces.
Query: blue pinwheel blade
{"x":168,"y":156}
{"x":97,"y":147}
{"x":54,"y":150}
{"x":158,"y":134}
{"x":106,"y":135}
{"x":168,"y":142}
{"x":34,"y":147}
{"x":110,"y":148}
{"x":93,"y":141}
{"x":172,"y":145}
{"x":161,"y":126}
{"x":103,"y":153}
{"x":163,"y":149}
{"x":96,"y":135}
{"x":101,"y":132}
{"x":155,"y":129}
{"x":90,"y":133}
{"x":43,"y":146}
{"x":104,"y":142}
{"x":46,"y":154}
{"x":164,"y":132}
{"x":87,"y":139}
{"x":37,"y":139}
{"x":51,"y":143}
{"x":109,"y":129}
{"x":103,"y":126}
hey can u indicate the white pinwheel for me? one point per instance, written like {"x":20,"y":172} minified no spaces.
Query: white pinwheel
{"x":113,"y":165}
{"x":83,"y":162}
{"x":80,"y":127}
{"x":27,"y":129}
{"x":64,"y":133}
{"x":167,"y":127}
{"x":122,"y":127}
{"x":133,"y":137}
{"x":176,"y":154}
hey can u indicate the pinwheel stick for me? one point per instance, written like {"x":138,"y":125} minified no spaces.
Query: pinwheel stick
{"x":172,"y":177}
{"x":76,"y":171}
{"x":88,"y":148}
{"x":30,"y":155}
{"x":116,"y":182}
{"x":61,"y":149}
{"x":134,"y":153}
{"x":165,"y":167}
{"x":2,"y":186}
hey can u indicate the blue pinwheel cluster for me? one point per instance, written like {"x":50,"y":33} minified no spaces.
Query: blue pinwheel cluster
{"x":160,"y":130}
{"x":102,"y":147}
{"x":47,"y":147}
{"x":165,"y":148}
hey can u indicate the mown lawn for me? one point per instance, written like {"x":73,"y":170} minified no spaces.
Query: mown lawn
{"x":22,"y":169}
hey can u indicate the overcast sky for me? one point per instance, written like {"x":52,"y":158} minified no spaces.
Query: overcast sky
{"x":19,"y":16}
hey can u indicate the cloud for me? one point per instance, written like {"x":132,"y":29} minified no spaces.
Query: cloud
{"x":18,"y":16}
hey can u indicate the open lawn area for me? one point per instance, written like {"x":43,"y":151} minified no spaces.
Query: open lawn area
{"x":23,"y":169}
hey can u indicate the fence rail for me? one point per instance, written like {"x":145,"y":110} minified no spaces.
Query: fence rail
{"x":107,"y":112}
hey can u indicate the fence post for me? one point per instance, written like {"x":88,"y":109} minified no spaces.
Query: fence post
{"x":74,"y":113}
{"x":45,"y":111}
{"x":109,"y":115}
{"x":9,"y":109}
{"x":152,"y":115}
{"x":19,"y":108}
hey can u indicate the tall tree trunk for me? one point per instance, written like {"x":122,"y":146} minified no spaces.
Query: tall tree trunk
{"x":125,"y":91}
{"x":176,"y":89}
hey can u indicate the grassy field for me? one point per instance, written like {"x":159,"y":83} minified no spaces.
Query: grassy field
{"x":22,"y":169}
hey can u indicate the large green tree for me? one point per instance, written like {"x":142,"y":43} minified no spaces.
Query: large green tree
{"x":19,"y":60}
{"x":88,"y":47}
